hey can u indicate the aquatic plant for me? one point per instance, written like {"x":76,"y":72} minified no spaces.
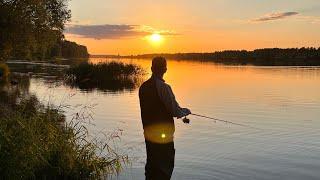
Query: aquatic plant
{"x":113,"y":76}
{"x":37,"y":143}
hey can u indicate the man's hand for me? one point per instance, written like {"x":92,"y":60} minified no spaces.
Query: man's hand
{"x":186,"y":111}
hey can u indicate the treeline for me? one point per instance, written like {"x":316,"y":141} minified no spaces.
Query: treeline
{"x":68,"y":49}
{"x":267,"y":57}
{"x":31,"y":29}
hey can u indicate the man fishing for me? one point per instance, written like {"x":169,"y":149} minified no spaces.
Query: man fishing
{"x":158,"y":108}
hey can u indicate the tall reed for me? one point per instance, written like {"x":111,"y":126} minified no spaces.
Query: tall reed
{"x":37,"y":143}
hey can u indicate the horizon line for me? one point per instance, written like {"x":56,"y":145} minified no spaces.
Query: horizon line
{"x":119,"y":55}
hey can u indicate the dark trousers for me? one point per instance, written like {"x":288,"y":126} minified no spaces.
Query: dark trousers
{"x":160,"y":161}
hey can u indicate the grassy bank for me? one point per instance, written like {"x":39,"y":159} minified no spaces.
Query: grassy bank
{"x":112,"y":76}
{"x":36,"y":142}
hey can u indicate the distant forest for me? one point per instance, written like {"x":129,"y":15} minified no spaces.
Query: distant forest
{"x":259,"y":57}
{"x":33,"y":30}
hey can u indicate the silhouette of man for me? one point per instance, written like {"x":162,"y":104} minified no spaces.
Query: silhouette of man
{"x":158,"y":108}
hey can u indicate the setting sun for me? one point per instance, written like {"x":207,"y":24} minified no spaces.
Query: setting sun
{"x":155,"y":38}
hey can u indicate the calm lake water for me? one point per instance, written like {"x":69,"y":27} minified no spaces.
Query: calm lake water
{"x":283,"y":102}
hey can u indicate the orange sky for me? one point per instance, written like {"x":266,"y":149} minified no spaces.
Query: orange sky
{"x":124,"y":27}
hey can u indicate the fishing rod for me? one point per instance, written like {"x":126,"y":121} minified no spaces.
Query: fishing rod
{"x":186,"y":120}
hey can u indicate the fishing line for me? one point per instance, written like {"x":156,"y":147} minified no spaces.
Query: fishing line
{"x":225,"y":121}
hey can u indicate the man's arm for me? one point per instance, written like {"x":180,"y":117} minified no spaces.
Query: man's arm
{"x":167,"y":97}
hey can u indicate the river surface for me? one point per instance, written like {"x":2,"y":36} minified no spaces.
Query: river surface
{"x":283,"y":103}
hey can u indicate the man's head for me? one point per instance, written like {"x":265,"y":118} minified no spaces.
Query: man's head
{"x":159,"y":66}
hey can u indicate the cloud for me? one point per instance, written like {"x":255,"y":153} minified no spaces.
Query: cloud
{"x":311,"y":19}
{"x":106,"y":31}
{"x":275,"y":16}
{"x":110,"y":31}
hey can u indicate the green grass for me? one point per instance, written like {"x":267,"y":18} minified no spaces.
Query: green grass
{"x":112,"y":76}
{"x":37,"y":143}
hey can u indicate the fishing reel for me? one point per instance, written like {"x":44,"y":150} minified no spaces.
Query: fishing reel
{"x":186,"y":120}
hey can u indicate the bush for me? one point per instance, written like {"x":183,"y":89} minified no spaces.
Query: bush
{"x":36,"y":143}
{"x":112,"y":76}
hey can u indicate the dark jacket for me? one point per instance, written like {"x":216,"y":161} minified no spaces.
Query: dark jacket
{"x":158,"y":123}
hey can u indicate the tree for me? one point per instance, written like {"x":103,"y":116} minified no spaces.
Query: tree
{"x":30,"y":28}
{"x":68,"y":49}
